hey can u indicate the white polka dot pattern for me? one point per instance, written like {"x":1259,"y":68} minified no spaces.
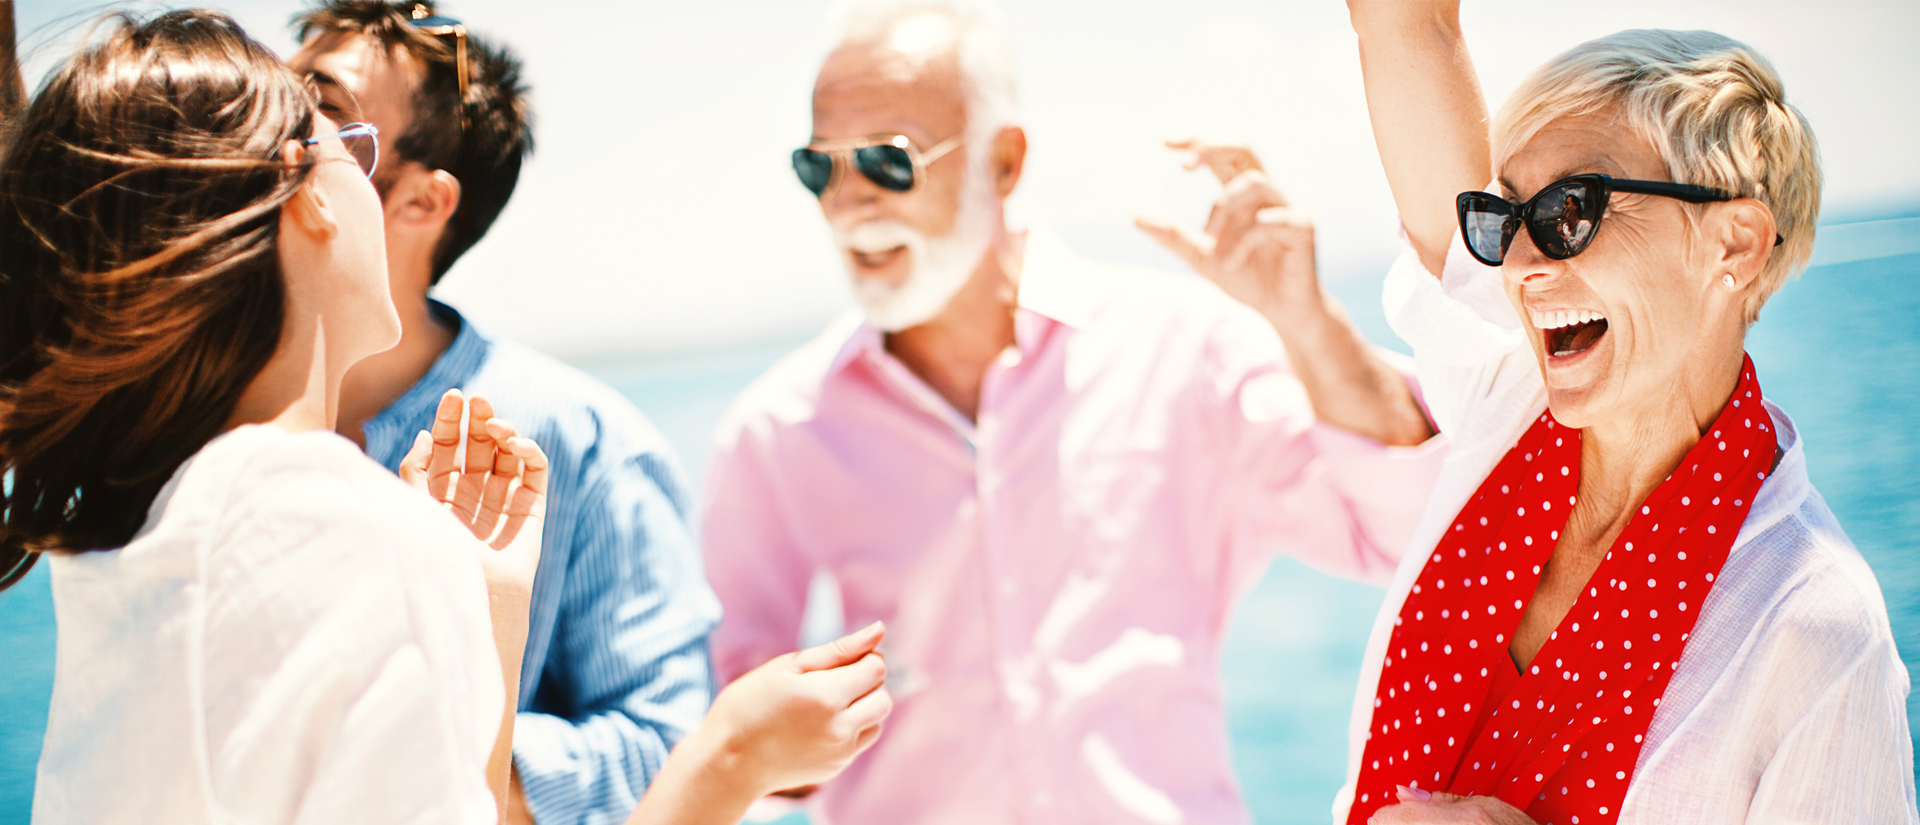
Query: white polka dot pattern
{"x":1574,"y":718}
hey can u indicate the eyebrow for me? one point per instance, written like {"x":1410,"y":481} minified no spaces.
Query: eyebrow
{"x":1596,"y":165}
{"x":322,"y":79}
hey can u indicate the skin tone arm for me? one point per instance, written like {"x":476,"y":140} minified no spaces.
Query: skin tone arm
{"x":796,"y":721}
{"x":1430,"y":124}
{"x":1429,"y":117}
{"x":13,"y":90}
{"x":1259,"y":250}
{"x":499,"y":492}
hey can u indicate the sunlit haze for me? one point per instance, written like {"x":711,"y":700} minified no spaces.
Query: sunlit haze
{"x":659,"y":211}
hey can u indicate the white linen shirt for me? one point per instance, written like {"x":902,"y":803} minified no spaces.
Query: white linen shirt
{"x":1789,"y":703}
{"x":294,"y":636}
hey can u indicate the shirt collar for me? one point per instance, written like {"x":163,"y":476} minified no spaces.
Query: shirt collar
{"x":1787,"y":487}
{"x":454,"y":368}
{"x":1054,"y":288}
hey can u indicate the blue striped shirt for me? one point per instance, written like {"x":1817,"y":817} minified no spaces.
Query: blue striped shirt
{"x":616,"y":668}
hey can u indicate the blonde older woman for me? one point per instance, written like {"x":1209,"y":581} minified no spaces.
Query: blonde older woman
{"x":1629,"y":603}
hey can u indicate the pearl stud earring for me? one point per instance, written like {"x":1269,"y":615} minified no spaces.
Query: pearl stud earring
{"x":1728,"y":280}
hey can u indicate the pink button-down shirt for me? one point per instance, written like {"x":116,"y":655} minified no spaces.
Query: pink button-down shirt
{"x":1057,"y":577}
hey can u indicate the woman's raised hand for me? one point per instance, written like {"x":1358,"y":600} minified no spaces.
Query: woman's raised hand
{"x":497,"y":489}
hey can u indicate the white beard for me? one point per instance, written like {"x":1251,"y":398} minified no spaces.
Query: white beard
{"x":940,"y":265}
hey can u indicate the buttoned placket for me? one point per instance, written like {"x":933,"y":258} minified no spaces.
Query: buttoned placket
{"x":997,"y":554}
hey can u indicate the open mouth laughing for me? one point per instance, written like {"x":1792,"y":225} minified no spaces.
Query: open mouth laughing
{"x":1569,"y":332}
{"x":875,"y":258}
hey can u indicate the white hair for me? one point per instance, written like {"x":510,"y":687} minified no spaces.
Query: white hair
{"x":985,"y":57}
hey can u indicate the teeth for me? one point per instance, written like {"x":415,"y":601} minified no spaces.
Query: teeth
{"x":1557,"y":318}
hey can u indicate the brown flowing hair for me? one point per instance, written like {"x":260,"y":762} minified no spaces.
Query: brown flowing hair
{"x":140,"y":282}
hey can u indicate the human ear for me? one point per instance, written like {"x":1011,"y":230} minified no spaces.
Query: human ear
{"x":1009,"y":158}
{"x":424,"y":199}
{"x":1747,"y":235}
{"x":308,"y":210}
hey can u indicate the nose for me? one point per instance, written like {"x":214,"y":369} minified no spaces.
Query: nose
{"x":1526,"y":266}
{"x":849,"y":192}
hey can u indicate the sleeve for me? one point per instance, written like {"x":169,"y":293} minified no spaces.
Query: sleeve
{"x":628,"y":672}
{"x":755,"y":563}
{"x":349,"y":672}
{"x":1340,"y":502}
{"x":1849,"y":758}
{"x":1477,"y":373}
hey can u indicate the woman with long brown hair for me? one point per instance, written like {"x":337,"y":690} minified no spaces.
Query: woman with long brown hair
{"x":256,"y":622}
{"x":190,"y":258}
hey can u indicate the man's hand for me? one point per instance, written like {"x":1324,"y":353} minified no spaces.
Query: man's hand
{"x":1256,"y":247}
{"x":1259,"y":250}
{"x":1418,"y":807}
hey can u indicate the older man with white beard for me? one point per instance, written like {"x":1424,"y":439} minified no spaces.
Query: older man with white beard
{"x":1051,"y":478}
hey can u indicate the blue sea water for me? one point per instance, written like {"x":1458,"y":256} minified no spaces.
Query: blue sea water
{"x":1839,"y":349}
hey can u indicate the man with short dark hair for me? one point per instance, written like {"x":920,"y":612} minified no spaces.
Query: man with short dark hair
{"x":616,"y":668}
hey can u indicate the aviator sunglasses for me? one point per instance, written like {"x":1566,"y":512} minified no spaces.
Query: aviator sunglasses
{"x":362,"y":141}
{"x":1563,"y":218}
{"x":892,"y":162}
{"x":422,"y":16}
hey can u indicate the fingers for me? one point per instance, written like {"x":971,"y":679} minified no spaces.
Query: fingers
{"x":842,"y":651}
{"x":413,"y":468}
{"x":866,"y":740}
{"x":530,"y":497}
{"x":1265,"y":246}
{"x":480,"y":449}
{"x":1225,"y":160}
{"x":869,"y":711}
{"x":1192,"y":247}
{"x":1407,"y":794}
{"x":1238,"y":211}
{"x":842,"y":686}
{"x":446,"y":441}
{"x":500,"y":477}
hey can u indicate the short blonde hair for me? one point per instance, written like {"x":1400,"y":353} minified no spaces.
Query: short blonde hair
{"x":1714,"y":108}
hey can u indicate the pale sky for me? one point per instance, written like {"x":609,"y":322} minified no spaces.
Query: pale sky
{"x":659,"y":211}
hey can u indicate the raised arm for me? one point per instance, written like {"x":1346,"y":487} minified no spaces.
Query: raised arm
{"x":1259,"y":250}
{"x":13,"y":90}
{"x":1429,"y":118}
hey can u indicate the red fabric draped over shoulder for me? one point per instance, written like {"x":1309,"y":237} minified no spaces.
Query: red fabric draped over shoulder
{"x":1562,"y":743}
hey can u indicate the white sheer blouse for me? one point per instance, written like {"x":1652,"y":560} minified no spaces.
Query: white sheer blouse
{"x":1789,"y":704}
{"x":295,"y":636}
